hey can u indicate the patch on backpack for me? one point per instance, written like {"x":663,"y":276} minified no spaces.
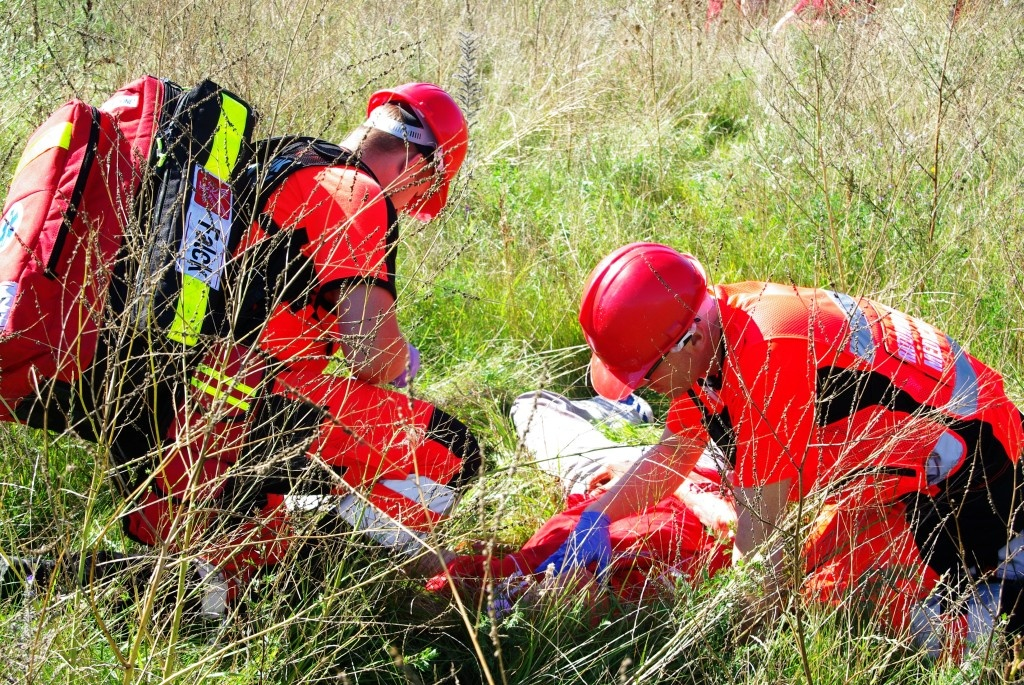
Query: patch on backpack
{"x":207,"y":227}
{"x":915,"y":342}
{"x":125,"y":101}
{"x":8,"y":291}
{"x":9,"y":223}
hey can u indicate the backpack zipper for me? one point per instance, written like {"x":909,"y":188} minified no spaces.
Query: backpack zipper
{"x":71,"y":213}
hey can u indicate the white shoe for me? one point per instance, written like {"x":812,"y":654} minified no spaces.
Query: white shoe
{"x":639,"y":408}
{"x":633,"y":410}
{"x":213,"y":591}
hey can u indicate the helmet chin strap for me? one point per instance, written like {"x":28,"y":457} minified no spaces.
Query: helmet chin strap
{"x":419,"y":198}
{"x":709,"y":313}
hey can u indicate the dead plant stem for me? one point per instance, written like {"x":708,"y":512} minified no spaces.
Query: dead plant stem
{"x":937,"y":138}
{"x":820,"y":148}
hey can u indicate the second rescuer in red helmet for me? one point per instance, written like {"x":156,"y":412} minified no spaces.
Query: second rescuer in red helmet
{"x":313,"y":282}
{"x":901,"y":437}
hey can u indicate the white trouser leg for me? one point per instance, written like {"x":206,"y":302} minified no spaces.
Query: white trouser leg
{"x":359,"y":512}
{"x":563,"y":440}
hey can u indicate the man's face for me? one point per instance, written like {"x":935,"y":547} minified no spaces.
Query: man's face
{"x":678,"y":371}
{"x":420,"y":180}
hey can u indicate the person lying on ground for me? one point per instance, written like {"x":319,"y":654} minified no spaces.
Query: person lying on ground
{"x":685,"y":536}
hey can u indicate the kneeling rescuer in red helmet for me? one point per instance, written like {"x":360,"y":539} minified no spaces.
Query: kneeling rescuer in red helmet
{"x":248,"y":417}
{"x":316,"y":274}
{"x":907,"y":445}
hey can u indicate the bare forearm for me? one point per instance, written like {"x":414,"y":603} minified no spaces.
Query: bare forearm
{"x":759,"y":546}
{"x":659,"y":472}
{"x":373,"y":344}
{"x":759,"y":514}
{"x":377,"y":360}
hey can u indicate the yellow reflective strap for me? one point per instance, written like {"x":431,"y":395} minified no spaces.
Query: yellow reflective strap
{"x":224,"y":150}
{"x":225,"y":386}
{"x":189,"y":313}
{"x":217,"y":393}
{"x":227,"y":138}
{"x":227,"y":380}
{"x":58,"y":135}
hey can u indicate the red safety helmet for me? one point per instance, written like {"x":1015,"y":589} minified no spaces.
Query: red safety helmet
{"x":437,"y":111}
{"x":637,"y":304}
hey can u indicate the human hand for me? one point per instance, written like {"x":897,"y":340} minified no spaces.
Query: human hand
{"x":754,"y":614}
{"x":589,"y":542}
{"x":762,"y":599}
{"x":550,"y":593}
{"x":606,"y":476}
{"x":432,"y":563}
{"x":714,"y":511}
{"x":410,"y":370}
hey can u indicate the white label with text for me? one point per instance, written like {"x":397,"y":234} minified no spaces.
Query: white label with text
{"x":207,"y":228}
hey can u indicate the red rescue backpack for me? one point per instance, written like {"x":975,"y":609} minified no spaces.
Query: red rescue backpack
{"x":61,"y":227}
{"x":115,"y":214}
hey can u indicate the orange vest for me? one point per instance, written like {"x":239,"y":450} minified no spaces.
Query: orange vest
{"x":323,"y":227}
{"x":826,"y":389}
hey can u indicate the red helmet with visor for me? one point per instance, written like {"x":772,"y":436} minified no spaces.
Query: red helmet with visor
{"x":438,"y":112}
{"x":638,"y":304}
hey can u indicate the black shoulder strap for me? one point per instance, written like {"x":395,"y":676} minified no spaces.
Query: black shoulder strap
{"x":272,"y":161}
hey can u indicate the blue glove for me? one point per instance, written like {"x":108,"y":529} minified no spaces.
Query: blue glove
{"x":589,"y":542}
{"x":411,"y":369}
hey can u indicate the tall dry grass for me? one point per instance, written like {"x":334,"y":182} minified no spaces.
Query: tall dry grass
{"x":877,"y":156}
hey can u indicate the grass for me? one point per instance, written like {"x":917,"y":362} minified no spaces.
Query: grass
{"x":879,"y":157}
